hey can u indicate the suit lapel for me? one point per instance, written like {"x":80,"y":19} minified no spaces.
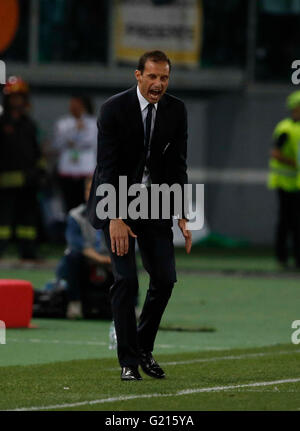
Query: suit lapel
{"x":135,"y":117}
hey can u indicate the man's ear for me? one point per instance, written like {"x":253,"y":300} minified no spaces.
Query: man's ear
{"x":137,"y":74}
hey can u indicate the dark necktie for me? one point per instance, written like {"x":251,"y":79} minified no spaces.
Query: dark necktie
{"x":148,"y":126}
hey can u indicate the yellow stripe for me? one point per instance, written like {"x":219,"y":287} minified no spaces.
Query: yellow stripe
{"x":5,"y":232}
{"x":26,"y":232}
{"x":12,"y":179}
{"x":284,"y":172}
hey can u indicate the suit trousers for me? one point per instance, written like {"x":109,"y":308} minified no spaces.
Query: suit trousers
{"x":155,"y":240}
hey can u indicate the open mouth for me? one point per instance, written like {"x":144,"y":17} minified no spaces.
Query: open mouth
{"x":155,"y":93}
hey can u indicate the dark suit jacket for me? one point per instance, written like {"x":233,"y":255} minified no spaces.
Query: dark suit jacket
{"x":121,"y":149}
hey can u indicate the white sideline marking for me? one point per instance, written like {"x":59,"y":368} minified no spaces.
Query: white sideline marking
{"x":79,"y":343}
{"x":38,"y":340}
{"x":224,"y":358}
{"x":155,"y":395}
{"x":164,"y":346}
{"x":231,"y":357}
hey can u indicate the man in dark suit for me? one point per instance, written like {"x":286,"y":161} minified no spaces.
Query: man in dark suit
{"x":142,"y":135}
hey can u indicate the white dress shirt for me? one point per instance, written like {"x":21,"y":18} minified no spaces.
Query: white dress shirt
{"x":80,"y":160}
{"x":144,"y":110}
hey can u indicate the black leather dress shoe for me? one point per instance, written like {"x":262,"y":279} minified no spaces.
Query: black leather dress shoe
{"x":150,"y":366}
{"x":130,"y":373}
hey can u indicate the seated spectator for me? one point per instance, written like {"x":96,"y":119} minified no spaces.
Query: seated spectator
{"x":85,"y":248}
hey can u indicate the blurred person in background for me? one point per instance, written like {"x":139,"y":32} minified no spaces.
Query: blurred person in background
{"x":283,"y":178}
{"x":85,"y":248}
{"x":22,"y":167}
{"x":75,"y":141}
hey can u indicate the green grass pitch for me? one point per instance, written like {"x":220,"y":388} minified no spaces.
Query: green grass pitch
{"x":225,"y":344}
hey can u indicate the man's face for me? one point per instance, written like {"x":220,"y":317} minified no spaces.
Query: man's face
{"x":17,"y":105}
{"x":76,"y":107}
{"x":154,"y":80}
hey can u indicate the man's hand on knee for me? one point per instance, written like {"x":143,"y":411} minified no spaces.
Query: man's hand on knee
{"x":119,"y":232}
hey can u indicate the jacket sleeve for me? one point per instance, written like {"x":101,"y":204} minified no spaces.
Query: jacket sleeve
{"x":180,"y":156}
{"x":108,"y":149}
{"x":107,"y":154}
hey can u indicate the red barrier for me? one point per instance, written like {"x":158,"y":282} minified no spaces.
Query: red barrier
{"x":16,"y":299}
